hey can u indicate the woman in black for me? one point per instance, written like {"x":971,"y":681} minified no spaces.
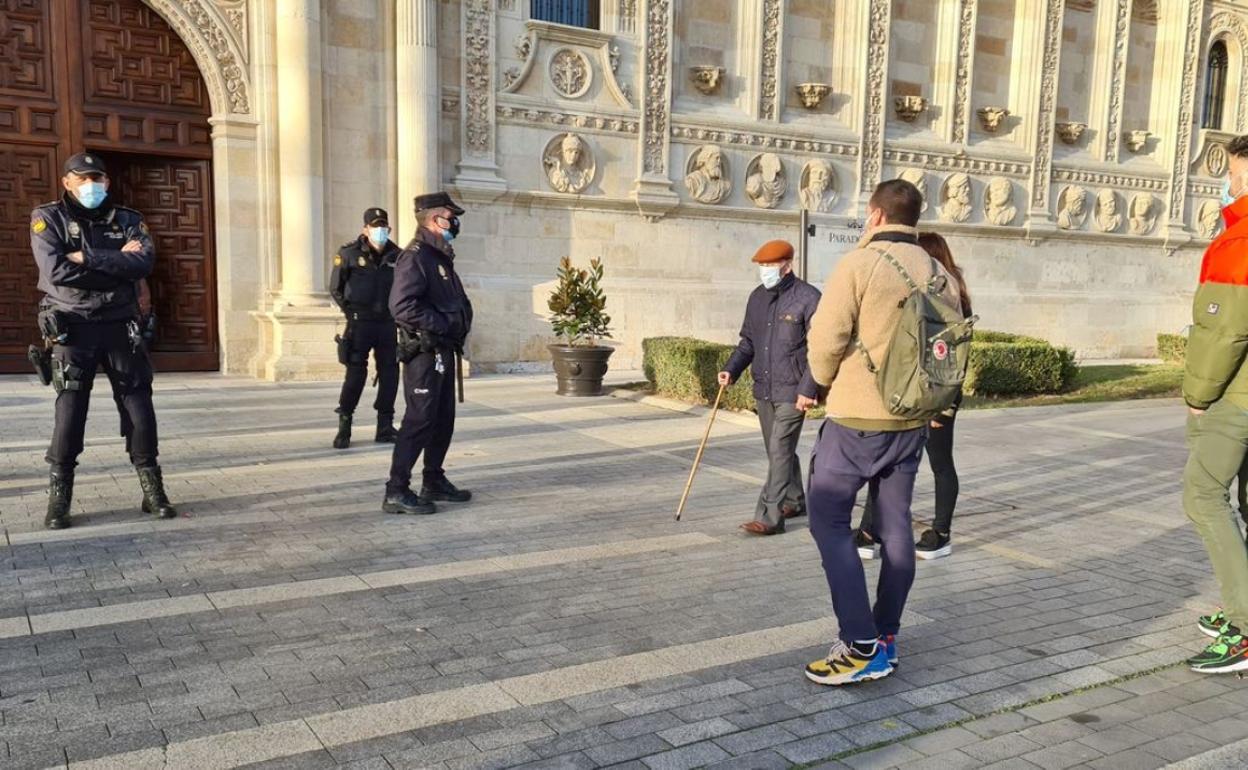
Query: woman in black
{"x":935,"y":542}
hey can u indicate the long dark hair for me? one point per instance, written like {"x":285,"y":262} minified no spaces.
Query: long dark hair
{"x":938,"y":247}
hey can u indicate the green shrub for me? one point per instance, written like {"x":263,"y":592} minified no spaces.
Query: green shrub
{"x":984,"y":335}
{"x":1018,"y":368}
{"x":1172,"y":348}
{"x":687,"y":369}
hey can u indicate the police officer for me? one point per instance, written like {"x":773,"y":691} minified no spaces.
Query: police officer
{"x":434,"y":316}
{"x":360,"y":285}
{"x":92,"y":255}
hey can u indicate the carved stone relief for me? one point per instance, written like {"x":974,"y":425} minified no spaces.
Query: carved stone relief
{"x":1216,"y":160}
{"x":769,"y":108}
{"x":1106,"y":213}
{"x":1042,"y":165}
{"x":1143,"y":214}
{"x":569,"y":163}
{"x":657,"y":76}
{"x":1228,"y":23}
{"x":1072,"y":207}
{"x":627,"y":15}
{"x":702,"y":133}
{"x":478,"y":130}
{"x":220,"y":45}
{"x":872,"y":143}
{"x":916,"y":177}
{"x":967,"y":11}
{"x":1208,"y":220}
{"x":1118,"y":78}
{"x":766,"y":181}
{"x":570,"y":73}
{"x":1187,"y":102}
{"x":955,"y":196}
{"x":999,"y":202}
{"x":706,"y":176}
{"x":1145,"y":11}
{"x":818,"y":186}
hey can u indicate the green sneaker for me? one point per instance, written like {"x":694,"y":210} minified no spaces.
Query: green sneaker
{"x":1211,"y":625}
{"x":1226,"y":655}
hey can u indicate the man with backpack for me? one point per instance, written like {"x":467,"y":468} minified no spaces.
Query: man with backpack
{"x":888,"y":346}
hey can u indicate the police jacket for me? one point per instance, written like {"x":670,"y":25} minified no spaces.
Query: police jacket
{"x":427,"y":294}
{"x":361,"y":280}
{"x":105,"y":286}
{"x":773,"y":341}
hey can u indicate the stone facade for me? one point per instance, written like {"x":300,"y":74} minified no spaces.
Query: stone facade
{"x":682,"y":133}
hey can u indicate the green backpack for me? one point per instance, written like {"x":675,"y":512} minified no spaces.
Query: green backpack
{"x":925,"y":366}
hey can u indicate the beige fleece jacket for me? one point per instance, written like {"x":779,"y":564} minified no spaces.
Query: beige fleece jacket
{"x":863,"y":297}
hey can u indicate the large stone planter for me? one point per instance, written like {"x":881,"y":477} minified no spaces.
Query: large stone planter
{"x":580,"y":368}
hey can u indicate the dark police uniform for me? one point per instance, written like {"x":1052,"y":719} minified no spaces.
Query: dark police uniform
{"x":428,"y":301}
{"x":360,"y":286}
{"x":93,"y":305}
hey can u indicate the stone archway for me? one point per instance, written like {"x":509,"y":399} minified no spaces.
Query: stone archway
{"x":217,"y":35}
{"x":1230,"y":27}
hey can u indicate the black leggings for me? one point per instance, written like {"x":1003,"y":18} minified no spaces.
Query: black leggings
{"x":940,"y":457}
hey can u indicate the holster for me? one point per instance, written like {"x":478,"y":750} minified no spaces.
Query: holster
{"x":41,"y":359}
{"x":66,"y":376}
{"x":413,"y":343}
{"x":52,"y":327}
{"x":344,"y":345}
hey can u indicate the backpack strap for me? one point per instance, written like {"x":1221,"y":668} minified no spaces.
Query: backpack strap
{"x":887,"y":255}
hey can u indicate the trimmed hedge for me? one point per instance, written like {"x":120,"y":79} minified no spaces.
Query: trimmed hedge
{"x":686,"y":369}
{"x":1172,"y":348}
{"x":1018,"y":368}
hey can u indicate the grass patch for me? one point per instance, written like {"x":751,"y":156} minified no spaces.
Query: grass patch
{"x":1095,"y":384}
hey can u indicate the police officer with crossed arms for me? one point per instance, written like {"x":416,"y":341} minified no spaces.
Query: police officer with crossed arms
{"x":92,"y":256}
{"x":360,"y":286}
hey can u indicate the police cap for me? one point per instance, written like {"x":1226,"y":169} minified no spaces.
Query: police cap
{"x":85,"y":163}
{"x":436,"y":201}
{"x":376,"y":216}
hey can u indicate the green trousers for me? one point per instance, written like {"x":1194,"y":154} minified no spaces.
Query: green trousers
{"x":1218,"y":441}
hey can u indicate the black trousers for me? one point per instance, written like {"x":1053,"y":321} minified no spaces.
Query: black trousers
{"x":380,"y":338}
{"x":89,"y":347}
{"x":940,"y":457}
{"x":429,"y":420}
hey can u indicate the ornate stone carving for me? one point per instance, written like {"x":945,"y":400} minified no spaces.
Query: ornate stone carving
{"x":220,"y":46}
{"x":706,"y":78}
{"x":530,"y":116}
{"x":991,"y":118}
{"x":1216,"y":160}
{"x":769,"y":108}
{"x":872,"y":143}
{"x":524,"y":46}
{"x":1187,"y":103}
{"x":1042,"y":165}
{"x":1108,"y":217}
{"x":1106,"y":179}
{"x":1208,"y":220}
{"x":1071,"y":132}
{"x":956,"y":162}
{"x":955,"y":198}
{"x":627,"y":15}
{"x":908,"y":108}
{"x":701,"y":133}
{"x":916,"y":177}
{"x":478,"y":132}
{"x":967,"y":11}
{"x":766,"y":181}
{"x":1224,"y":23}
{"x":613,"y":56}
{"x":510,"y":77}
{"x":999,"y":202}
{"x":817,"y":186}
{"x":569,"y":163}
{"x":1143,"y":214}
{"x":1118,"y":78}
{"x":1135,"y":140}
{"x":1072,"y":207}
{"x":1145,"y":11}
{"x":706,"y":176}
{"x":658,"y":67}
{"x":812,"y":94}
{"x":570,"y":73}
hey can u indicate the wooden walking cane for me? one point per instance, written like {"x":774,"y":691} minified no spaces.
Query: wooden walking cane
{"x":701,"y":448}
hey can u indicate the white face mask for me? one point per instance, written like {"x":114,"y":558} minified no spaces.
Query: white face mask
{"x":379,"y":235}
{"x":770,"y":275}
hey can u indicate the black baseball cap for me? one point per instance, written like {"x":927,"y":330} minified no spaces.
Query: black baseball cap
{"x":375,"y":215}
{"x":85,"y":163}
{"x":436,"y":201}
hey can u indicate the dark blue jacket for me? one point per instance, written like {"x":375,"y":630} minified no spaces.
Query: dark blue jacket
{"x":361,"y":280}
{"x":773,"y":341}
{"x":427,"y":294}
{"x":105,"y":286}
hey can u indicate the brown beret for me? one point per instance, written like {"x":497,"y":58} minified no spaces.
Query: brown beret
{"x":773,"y":251}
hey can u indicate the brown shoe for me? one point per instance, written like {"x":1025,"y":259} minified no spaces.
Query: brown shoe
{"x":759,"y":528}
{"x":789,"y":512}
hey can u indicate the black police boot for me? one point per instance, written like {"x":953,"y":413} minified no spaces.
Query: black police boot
{"x":60,"y":495}
{"x":154,"y":498}
{"x":343,"y":439}
{"x":407,"y":502}
{"x":444,"y":490}
{"x":386,"y":434}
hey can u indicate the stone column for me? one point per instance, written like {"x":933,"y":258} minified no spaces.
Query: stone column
{"x":477,"y":177}
{"x":1106,"y":110}
{"x":300,"y":152}
{"x":771,"y":73}
{"x":419,"y":107}
{"x":871,"y":143}
{"x":239,"y":235}
{"x":957,"y":74}
{"x":1187,"y":52}
{"x":1044,"y":55}
{"x":653,"y":189}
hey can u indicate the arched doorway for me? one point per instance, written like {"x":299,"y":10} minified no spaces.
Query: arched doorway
{"x":108,"y":76}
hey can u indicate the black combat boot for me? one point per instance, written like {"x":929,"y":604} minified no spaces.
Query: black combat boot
{"x":386,"y":434}
{"x":442,"y":489}
{"x":154,"y":499}
{"x":407,"y":502}
{"x":343,"y":439}
{"x":60,"y":495}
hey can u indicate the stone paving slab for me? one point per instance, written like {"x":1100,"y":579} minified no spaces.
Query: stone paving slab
{"x":1043,"y":641}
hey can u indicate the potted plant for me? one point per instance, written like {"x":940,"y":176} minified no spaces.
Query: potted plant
{"x":578,"y":317}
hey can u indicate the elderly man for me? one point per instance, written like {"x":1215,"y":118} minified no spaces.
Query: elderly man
{"x":434,"y":316}
{"x":773,"y":345}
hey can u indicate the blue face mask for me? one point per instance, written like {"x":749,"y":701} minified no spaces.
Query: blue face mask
{"x":92,"y":194}
{"x":379,"y":235}
{"x":770,"y":275}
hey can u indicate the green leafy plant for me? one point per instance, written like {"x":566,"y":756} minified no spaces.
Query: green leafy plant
{"x":578,"y":304}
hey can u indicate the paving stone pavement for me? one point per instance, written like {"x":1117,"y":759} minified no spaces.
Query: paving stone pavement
{"x":563,"y":619}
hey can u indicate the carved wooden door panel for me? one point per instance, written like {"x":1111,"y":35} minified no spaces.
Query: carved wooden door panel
{"x":112,"y":77}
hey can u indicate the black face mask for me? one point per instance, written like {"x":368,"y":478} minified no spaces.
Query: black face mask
{"x":452,"y":229}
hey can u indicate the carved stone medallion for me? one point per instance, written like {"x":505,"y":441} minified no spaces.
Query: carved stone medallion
{"x":570,"y":73}
{"x":1072,"y":207}
{"x":706,"y":175}
{"x":916,"y":177}
{"x":569,"y":163}
{"x":999,"y":202}
{"x":1143,"y":214}
{"x":1208,"y":219}
{"x":956,"y":203}
{"x":1106,"y":213}
{"x":817,"y":186}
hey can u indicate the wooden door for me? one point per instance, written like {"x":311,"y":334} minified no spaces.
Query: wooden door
{"x":118,"y":82}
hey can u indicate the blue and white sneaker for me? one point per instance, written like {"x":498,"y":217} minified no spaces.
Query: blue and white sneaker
{"x":845,"y":665}
{"x":889,"y":643}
